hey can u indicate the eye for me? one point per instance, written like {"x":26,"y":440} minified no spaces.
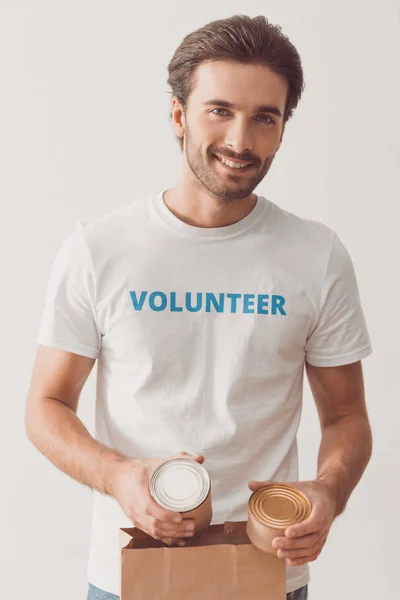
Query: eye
{"x":266,"y":117}
{"x":262,"y":116}
{"x":223,"y":109}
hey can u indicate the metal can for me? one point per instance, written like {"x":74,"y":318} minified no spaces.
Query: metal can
{"x":271,"y":510}
{"x":183,"y":485}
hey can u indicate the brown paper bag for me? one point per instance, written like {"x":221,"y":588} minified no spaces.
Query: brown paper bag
{"x":219,"y":564}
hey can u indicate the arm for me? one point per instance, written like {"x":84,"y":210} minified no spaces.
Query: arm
{"x":55,"y":430}
{"x":344,"y":453}
{"x":53,"y":427}
{"x":346,"y":442}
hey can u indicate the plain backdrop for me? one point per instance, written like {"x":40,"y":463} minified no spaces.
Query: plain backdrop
{"x":84,"y":125}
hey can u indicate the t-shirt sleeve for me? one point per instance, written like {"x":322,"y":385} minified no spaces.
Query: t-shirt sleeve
{"x":340,"y":335}
{"x":69,"y":319}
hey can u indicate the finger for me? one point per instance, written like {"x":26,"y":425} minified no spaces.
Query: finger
{"x":311,"y":525}
{"x":306,"y":541}
{"x":297,"y":562}
{"x":185,"y":529}
{"x":197,"y":457}
{"x":255,"y":485}
{"x":154,"y":511}
{"x":173,"y":541}
{"x":300,"y":553}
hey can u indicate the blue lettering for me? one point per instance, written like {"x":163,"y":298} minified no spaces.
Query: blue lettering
{"x":138,"y":305}
{"x":158,"y":301}
{"x":175,"y":308}
{"x":277,"y":303}
{"x":248,"y":303}
{"x":234,"y":298}
{"x":198,"y":306}
{"x":210,"y":298}
{"x":261,"y":301}
{"x":152,"y":303}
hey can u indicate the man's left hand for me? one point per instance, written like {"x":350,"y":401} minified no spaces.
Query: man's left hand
{"x":303,"y":543}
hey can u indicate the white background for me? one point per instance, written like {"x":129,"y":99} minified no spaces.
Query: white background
{"x":84,"y":129}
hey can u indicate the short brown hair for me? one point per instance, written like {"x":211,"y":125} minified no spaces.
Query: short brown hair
{"x":237,"y":39}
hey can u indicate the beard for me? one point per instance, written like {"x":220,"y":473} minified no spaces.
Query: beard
{"x":222,"y":184}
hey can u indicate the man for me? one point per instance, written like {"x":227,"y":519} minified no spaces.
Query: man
{"x":204,"y":304}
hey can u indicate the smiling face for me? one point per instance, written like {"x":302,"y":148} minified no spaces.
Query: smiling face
{"x":235,"y":111}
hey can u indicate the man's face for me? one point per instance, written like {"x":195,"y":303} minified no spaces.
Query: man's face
{"x":242,"y":132}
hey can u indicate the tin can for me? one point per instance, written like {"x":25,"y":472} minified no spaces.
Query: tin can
{"x":183,"y":485}
{"x":271,"y":510}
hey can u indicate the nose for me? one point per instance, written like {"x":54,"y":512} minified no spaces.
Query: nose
{"x":238,"y":137}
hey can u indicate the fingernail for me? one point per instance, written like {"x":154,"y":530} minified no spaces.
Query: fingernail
{"x":190,"y":527}
{"x":181,"y":543}
{"x":177,"y":519}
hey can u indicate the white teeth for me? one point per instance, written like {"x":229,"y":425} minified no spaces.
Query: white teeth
{"x":233,"y":165}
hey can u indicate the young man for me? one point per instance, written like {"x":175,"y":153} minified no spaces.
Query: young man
{"x":203,"y":305}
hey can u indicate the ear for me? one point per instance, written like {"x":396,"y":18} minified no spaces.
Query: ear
{"x":178,"y":117}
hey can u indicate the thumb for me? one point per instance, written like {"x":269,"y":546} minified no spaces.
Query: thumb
{"x":197,"y":457}
{"x":256,"y":485}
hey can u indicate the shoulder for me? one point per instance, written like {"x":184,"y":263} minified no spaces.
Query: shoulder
{"x":300,"y":233}
{"x":116,"y":227}
{"x":118,"y":217}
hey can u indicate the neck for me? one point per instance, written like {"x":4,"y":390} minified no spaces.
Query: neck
{"x":198,"y":209}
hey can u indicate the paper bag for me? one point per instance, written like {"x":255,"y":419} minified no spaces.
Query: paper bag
{"x":219,"y":564}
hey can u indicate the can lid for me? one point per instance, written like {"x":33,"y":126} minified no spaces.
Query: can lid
{"x":180,"y":484}
{"x":278,"y":506}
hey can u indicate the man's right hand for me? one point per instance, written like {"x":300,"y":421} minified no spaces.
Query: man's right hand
{"x":131,"y":490}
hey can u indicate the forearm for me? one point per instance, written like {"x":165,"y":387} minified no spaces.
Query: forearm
{"x":58,"y":433}
{"x":344,"y":453}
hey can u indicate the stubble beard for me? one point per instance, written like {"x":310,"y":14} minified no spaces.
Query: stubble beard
{"x":222,"y":188}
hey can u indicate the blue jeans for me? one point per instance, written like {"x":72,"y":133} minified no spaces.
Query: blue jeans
{"x":96,"y":594}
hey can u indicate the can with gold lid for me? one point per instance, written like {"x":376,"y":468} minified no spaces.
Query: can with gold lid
{"x":183,"y":485}
{"x":272,"y":509}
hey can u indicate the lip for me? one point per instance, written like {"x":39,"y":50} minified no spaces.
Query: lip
{"x":241,"y":162}
{"x":231,"y":169}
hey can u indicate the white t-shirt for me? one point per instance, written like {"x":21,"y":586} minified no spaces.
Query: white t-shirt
{"x":201,"y":336}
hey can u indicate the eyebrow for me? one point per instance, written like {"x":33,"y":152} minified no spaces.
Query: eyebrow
{"x":265,"y":108}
